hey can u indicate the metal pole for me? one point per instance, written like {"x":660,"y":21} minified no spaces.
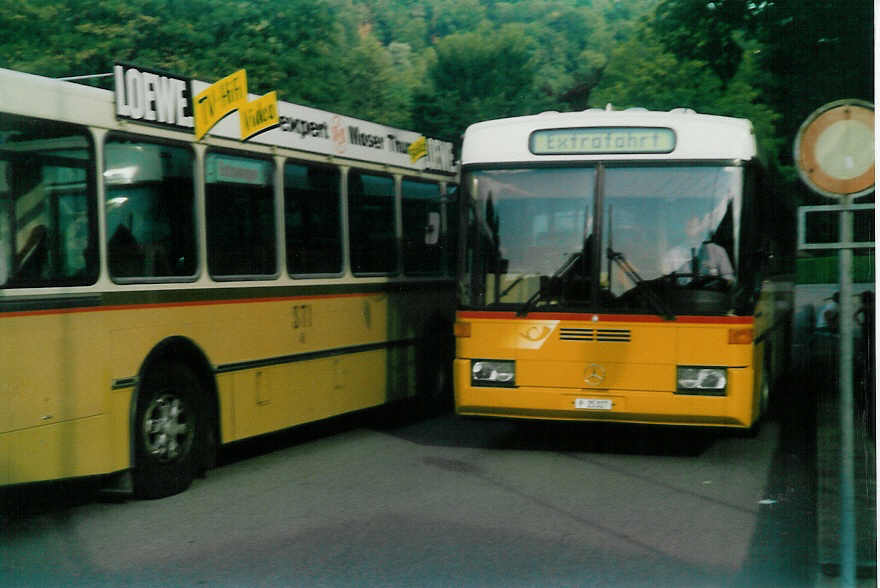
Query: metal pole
{"x":847,"y":443}
{"x":72,"y":78}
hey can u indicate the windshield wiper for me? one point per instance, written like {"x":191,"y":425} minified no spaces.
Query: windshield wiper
{"x":643,"y":287}
{"x":561,"y":272}
{"x":511,"y":286}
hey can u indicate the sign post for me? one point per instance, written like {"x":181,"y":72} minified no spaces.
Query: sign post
{"x":834,"y":154}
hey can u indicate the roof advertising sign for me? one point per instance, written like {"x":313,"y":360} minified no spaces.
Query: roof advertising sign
{"x":225,"y":109}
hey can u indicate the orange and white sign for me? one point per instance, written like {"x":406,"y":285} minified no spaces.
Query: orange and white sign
{"x":834,"y":149}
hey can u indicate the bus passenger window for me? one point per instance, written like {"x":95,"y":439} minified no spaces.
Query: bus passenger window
{"x":313,"y":219}
{"x":48,"y":223}
{"x":150,"y":209}
{"x":240,"y":216}
{"x":371,"y":224}
{"x":422,"y":239}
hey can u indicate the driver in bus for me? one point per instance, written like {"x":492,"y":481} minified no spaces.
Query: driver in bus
{"x":694,"y":258}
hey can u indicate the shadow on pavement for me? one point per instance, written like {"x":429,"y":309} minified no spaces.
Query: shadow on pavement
{"x":28,"y":500}
{"x":449,"y":430}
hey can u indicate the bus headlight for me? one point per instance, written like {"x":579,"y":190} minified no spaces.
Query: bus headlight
{"x":493,"y":372}
{"x":709,"y":381}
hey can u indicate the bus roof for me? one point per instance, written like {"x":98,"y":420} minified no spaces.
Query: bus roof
{"x":597,"y":134}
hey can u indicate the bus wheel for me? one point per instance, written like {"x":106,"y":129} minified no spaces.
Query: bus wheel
{"x":167,"y":430}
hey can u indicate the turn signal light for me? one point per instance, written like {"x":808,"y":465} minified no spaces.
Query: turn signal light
{"x":740,"y":336}
{"x":461,"y":329}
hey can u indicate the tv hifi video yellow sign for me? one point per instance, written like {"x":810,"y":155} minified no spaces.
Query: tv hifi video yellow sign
{"x":228,"y":95}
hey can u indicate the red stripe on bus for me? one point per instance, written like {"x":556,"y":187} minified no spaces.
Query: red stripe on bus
{"x":112,"y":307}
{"x":611,"y":318}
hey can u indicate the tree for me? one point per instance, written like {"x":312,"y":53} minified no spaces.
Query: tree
{"x":476,"y":76}
{"x":705,"y":30}
{"x":374,"y":90}
{"x":809,"y":52}
{"x":402,"y":21}
{"x":572,"y":47}
{"x":815,"y":52}
{"x":642,"y":73}
{"x":448,"y":17}
{"x":292,"y":49}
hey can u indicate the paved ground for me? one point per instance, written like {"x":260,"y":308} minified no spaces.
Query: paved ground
{"x":816,"y":370}
{"x":446,"y":502}
{"x":828,"y":461}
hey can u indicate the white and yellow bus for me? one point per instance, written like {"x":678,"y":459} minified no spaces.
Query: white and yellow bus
{"x":161,"y":296}
{"x":615,"y":267}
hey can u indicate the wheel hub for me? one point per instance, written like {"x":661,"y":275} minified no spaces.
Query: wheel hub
{"x":168,"y":429}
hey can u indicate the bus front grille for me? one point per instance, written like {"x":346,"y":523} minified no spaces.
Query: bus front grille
{"x":621,"y":335}
{"x":577,"y":334}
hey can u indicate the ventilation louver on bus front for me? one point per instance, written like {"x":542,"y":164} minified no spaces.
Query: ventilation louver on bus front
{"x":576,"y":334}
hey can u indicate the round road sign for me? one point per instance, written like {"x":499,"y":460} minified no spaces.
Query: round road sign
{"x":834,"y":149}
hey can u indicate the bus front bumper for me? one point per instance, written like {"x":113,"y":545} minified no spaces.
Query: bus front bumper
{"x":608,"y":405}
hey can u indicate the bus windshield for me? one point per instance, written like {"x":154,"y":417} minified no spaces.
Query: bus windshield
{"x":665,"y":231}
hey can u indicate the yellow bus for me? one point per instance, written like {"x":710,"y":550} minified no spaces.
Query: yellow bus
{"x":614,"y":266}
{"x":161,"y":296}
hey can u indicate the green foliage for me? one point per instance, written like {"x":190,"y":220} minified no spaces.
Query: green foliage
{"x":797,"y":55}
{"x":374,"y":89}
{"x":815,"y":51}
{"x":449,"y":17}
{"x":705,"y":30}
{"x":476,"y":76}
{"x":280,"y":45}
{"x":642,"y":73}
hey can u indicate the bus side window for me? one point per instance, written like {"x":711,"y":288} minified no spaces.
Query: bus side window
{"x":125,"y":256}
{"x":150,"y":204}
{"x":372,"y":224}
{"x":47,"y":207}
{"x":422,"y":252}
{"x":240,"y":216}
{"x":313,"y":219}
{"x":31,"y":259}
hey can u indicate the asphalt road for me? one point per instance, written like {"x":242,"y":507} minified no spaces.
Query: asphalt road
{"x":442,"y":501}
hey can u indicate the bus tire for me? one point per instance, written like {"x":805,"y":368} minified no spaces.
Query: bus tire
{"x":169,"y":425}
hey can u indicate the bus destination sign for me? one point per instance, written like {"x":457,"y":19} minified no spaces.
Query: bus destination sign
{"x":602,"y":140}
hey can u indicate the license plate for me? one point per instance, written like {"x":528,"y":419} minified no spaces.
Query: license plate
{"x":593,"y":403}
